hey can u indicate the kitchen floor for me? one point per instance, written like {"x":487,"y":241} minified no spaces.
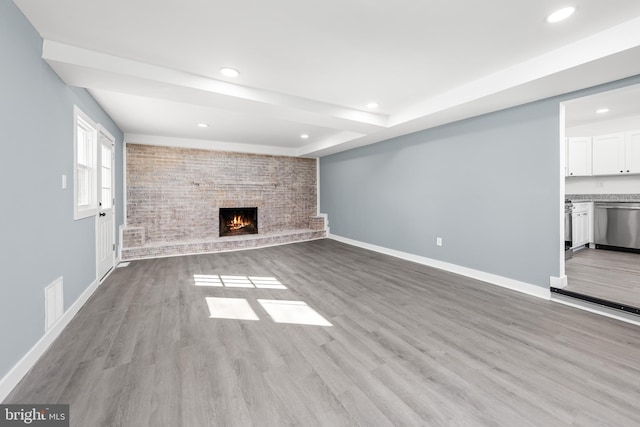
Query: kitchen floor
{"x":609,"y":275}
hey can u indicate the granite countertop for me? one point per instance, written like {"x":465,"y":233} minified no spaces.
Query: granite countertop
{"x":577,"y":198}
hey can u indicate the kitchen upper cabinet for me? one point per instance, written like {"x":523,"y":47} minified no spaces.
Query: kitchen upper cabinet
{"x":579,"y":156}
{"x":613,"y":154}
{"x":609,"y":154}
{"x":632,"y":151}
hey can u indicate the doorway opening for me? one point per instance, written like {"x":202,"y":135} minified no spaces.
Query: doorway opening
{"x":600,"y":152}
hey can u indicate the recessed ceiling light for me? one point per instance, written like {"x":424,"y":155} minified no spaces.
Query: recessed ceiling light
{"x":304,"y":136}
{"x":229,"y":72}
{"x":560,"y":15}
{"x":602,"y":110}
{"x":203,"y":125}
{"x":372,"y":105}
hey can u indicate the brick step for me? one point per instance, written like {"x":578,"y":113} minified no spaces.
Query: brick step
{"x":221,"y":244}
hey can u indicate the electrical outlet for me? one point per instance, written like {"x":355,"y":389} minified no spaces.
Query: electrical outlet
{"x":438,"y":241}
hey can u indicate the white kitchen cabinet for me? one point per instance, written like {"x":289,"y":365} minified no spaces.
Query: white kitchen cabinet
{"x":632,"y":152}
{"x":608,"y":154}
{"x":616,"y":154}
{"x":579,"y":156}
{"x":581,"y":227}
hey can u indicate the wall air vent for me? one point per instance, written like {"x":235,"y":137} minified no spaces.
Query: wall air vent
{"x":53,"y":303}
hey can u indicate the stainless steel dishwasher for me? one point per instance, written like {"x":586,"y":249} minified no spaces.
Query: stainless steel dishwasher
{"x":617,"y":224}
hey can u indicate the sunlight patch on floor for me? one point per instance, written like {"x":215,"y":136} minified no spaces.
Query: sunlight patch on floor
{"x":207,"y":280}
{"x":230,"y":308}
{"x":236,"y":282}
{"x":266,"y":282}
{"x":260,"y":282}
{"x":295,"y":312}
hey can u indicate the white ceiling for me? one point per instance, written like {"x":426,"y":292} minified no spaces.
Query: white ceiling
{"x":621,"y":103}
{"x":311,"y":67}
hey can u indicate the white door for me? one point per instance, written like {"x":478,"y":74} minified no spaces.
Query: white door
{"x":105,"y":225}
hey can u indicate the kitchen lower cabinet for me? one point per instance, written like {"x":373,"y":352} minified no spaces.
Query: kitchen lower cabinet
{"x":581,"y":226}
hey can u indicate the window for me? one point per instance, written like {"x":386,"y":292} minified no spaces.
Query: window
{"x":85,"y":165}
{"x":105,"y":181}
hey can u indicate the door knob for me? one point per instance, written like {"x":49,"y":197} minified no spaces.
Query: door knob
{"x":102,"y":214}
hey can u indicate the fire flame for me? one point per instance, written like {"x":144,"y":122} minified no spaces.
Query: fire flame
{"x":238,"y":222}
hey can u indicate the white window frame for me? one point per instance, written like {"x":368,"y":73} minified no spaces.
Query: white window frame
{"x":80,"y":119}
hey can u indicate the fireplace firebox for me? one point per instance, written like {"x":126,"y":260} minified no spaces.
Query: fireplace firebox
{"x":238,"y":221}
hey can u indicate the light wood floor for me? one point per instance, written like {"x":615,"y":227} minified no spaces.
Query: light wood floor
{"x":609,"y":275}
{"x":409,"y":345}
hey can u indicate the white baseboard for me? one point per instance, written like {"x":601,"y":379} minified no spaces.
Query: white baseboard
{"x":494,"y":279}
{"x":558,"y":282}
{"x":29,"y":360}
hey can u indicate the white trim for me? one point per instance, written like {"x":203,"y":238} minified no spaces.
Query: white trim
{"x":106,"y":133}
{"x":558,"y":282}
{"x":562,"y":166}
{"x":596,"y":308}
{"x":317,"y":185}
{"x":92,"y":210}
{"x":124,"y":187}
{"x":121,"y":234}
{"x":494,"y":279}
{"x":106,"y":276}
{"x":13,"y":377}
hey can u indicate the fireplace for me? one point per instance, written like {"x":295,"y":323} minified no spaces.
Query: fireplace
{"x":238,"y":221}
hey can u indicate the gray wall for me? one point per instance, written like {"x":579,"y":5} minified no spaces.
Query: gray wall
{"x":489,"y":186}
{"x":40,"y":241}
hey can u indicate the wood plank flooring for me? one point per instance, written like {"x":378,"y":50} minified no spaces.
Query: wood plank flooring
{"x":610,"y":275}
{"x":409,"y":345}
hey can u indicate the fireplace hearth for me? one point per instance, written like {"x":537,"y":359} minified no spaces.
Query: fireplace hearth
{"x":238,"y":221}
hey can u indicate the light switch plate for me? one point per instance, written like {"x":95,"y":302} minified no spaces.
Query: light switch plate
{"x":64,"y":181}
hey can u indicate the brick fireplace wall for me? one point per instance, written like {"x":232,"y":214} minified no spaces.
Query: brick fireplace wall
{"x":174,"y":194}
